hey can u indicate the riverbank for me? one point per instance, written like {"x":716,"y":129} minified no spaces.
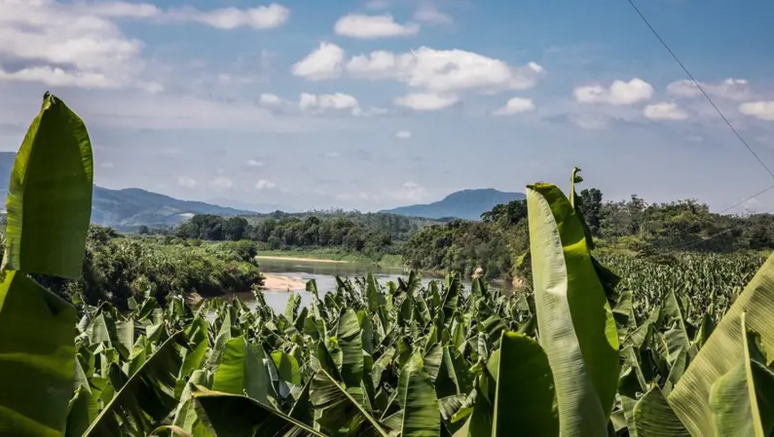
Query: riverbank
{"x":281,"y":282}
{"x":329,"y":256}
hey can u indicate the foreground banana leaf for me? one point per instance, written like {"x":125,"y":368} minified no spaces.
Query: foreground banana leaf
{"x":575,"y":321}
{"x":37,"y":358}
{"x":226,"y":415}
{"x":49,"y":197}
{"x":48,"y":212}
{"x":690,"y":398}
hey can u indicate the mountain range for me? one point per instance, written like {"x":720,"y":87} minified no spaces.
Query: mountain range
{"x":465,"y":204}
{"x":128,"y":209}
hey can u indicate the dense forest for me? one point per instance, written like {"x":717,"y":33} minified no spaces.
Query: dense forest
{"x":500,"y":238}
{"x":371,"y":235}
{"x":117,"y":268}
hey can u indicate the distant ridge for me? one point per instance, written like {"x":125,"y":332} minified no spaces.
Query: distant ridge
{"x":465,"y":204}
{"x":130,"y":208}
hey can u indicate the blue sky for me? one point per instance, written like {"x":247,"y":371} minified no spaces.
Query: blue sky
{"x":374,"y":104}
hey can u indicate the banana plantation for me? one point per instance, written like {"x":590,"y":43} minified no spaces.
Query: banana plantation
{"x":581,"y":352}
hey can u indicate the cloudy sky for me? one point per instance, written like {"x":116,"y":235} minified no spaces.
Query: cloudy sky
{"x":372,"y":104}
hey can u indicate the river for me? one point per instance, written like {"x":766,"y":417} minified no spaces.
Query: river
{"x":325,"y":276}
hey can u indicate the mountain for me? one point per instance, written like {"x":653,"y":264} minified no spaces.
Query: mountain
{"x":130,"y":208}
{"x":465,"y":204}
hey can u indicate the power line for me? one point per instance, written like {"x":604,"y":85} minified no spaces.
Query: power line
{"x":748,"y":198}
{"x":698,"y":85}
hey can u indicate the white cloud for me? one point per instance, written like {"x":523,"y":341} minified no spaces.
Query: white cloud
{"x":516,"y":105}
{"x":665,"y":111}
{"x":261,"y":17}
{"x":373,"y":26}
{"x":619,"y":93}
{"x":263,"y":184}
{"x":426,"y":101}
{"x":409,"y":191}
{"x":403,"y":134}
{"x":329,"y":102}
{"x":78,"y":44}
{"x":187,"y":182}
{"x":324,"y":63}
{"x":445,"y":70}
{"x":222,"y":182}
{"x":269,"y":99}
{"x":429,"y":14}
{"x":332,"y":155}
{"x":733,"y":89}
{"x":254,"y":163}
{"x":763,"y":110}
{"x":119,"y":9}
{"x":51,"y":42}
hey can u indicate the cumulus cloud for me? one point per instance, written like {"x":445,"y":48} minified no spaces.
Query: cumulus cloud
{"x":268,"y":99}
{"x":444,"y":70}
{"x":53,"y":43}
{"x":429,"y":14}
{"x":619,"y":93}
{"x":665,"y":111}
{"x":763,"y":110}
{"x":426,"y":101}
{"x":261,"y":17}
{"x":264,"y":184}
{"x":516,"y":105}
{"x":325,"y":62}
{"x":732,"y":89}
{"x":329,"y":102}
{"x":373,"y":26}
{"x":403,"y":134}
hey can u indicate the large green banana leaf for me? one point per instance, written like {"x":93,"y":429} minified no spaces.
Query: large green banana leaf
{"x":522,"y":372}
{"x":227,"y":415}
{"x":49,"y":197}
{"x":144,"y":397}
{"x":351,"y":343}
{"x":242,"y":371}
{"x":690,"y":398}
{"x":742,"y":400}
{"x":341,"y":407}
{"x":575,"y":322}
{"x":421,"y":416}
{"x":37,"y":358}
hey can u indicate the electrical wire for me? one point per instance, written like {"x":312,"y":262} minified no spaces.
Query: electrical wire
{"x":725,"y":120}
{"x":701,"y":88}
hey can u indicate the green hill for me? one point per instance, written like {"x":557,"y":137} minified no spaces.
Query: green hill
{"x":130,"y":208}
{"x":465,"y":204}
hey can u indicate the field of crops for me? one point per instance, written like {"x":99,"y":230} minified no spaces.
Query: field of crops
{"x":677,"y":346}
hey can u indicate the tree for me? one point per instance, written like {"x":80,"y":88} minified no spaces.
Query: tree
{"x":591,"y":208}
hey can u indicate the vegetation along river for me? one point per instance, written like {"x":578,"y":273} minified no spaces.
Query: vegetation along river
{"x":323,"y":273}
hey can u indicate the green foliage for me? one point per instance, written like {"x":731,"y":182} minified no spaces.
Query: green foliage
{"x":49,"y":205}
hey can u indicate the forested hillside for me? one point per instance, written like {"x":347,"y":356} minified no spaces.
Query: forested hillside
{"x":633,"y":225}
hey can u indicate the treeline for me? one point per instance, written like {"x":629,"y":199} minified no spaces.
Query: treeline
{"x":292,"y":232}
{"x":501,"y":237}
{"x":118,"y":267}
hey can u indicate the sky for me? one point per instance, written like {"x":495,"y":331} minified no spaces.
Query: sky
{"x":372,"y":104}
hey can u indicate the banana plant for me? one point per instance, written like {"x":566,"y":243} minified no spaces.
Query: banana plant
{"x":48,"y":213}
